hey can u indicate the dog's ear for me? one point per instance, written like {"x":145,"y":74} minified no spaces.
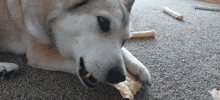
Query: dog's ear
{"x":128,"y":4}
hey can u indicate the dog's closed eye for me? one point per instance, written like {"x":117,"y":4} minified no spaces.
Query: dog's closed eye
{"x":104,"y":23}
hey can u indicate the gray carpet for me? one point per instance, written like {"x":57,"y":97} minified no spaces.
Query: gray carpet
{"x":183,"y":59}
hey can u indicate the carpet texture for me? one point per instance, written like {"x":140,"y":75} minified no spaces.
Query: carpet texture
{"x":183,"y":59}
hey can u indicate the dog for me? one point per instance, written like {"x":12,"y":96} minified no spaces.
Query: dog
{"x":82,"y":37}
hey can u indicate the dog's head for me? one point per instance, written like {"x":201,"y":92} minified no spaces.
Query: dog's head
{"x":92,"y":32}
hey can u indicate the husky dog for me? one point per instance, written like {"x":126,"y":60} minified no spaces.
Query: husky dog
{"x":82,"y":37}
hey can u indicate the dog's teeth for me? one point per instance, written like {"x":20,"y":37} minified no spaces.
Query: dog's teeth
{"x":87,"y":75}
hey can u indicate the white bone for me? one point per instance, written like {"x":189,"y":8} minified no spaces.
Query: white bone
{"x":173,"y":13}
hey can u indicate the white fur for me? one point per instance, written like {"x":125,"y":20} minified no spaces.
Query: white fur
{"x":37,"y":30}
{"x":8,"y":67}
{"x":77,"y":34}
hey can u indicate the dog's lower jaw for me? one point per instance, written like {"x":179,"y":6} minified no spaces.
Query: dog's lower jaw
{"x":85,"y":77}
{"x":87,"y":83}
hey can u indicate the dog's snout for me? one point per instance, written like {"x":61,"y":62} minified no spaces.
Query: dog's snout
{"x":115,"y":75}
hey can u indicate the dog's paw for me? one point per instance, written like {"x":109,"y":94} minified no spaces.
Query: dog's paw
{"x":8,"y":69}
{"x":136,"y":68}
{"x":141,"y":73}
{"x":144,"y":76}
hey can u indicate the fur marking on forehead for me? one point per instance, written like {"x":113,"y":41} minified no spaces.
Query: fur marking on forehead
{"x":78,"y":4}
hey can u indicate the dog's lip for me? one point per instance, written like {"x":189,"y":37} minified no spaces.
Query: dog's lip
{"x":86,"y":77}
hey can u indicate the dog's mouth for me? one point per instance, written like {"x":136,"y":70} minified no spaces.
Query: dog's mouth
{"x":85,"y":76}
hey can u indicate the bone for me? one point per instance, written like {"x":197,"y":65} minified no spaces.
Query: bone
{"x":132,"y":30}
{"x":143,"y":34}
{"x":173,"y":13}
{"x":129,"y":87}
{"x":215,"y":94}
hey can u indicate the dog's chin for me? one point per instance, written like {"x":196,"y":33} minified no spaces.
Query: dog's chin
{"x":85,"y":76}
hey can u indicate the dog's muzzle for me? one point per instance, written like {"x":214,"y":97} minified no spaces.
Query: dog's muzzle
{"x":87,"y":78}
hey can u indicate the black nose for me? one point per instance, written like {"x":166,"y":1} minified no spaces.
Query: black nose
{"x":115,"y":76}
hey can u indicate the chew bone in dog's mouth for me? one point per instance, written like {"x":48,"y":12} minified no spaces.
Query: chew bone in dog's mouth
{"x":85,"y":76}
